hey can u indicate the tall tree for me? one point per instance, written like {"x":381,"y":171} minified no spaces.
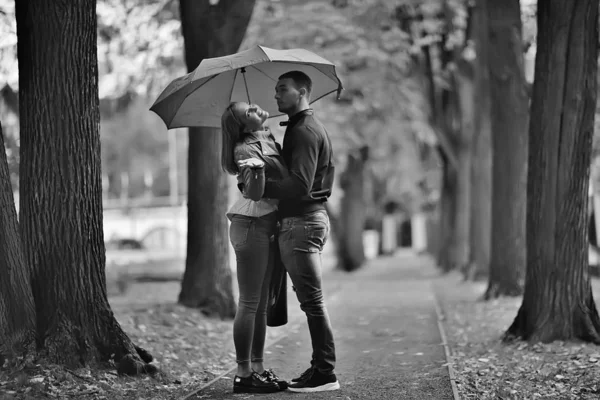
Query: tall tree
{"x":462,"y":71}
{"x":558,"y":302}
{"x":209,"y":31}
{"x":464,"y":83}
{"x":17,"y":323}
{"x":352,"y":215}
{"x":510,"y":118}
{"x":481,"y":148}
{"x":61,"y":195}
{"x":432,"y":29}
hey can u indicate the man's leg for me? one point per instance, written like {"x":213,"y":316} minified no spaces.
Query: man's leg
{"x":301,"y":241}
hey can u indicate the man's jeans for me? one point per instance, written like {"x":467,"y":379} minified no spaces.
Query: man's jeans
{"x":301,"y":240}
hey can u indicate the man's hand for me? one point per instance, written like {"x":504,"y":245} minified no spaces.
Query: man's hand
{"x":252,"y":162}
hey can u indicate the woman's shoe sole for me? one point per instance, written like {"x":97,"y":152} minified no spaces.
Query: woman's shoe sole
{"x":255,"y":390}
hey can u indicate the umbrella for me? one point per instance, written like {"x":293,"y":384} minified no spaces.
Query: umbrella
{"x":200,"y":97}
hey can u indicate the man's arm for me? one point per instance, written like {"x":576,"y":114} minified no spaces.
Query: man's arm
{"x":254,"y":182}
{"x":302,"y":168}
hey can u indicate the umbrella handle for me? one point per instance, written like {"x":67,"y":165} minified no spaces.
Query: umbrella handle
{"x":246,"y":84}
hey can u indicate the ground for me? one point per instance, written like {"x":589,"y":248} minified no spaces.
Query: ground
{"x":384,"y":321}
{"x":388,"y":340}
{"x":486,"y":368}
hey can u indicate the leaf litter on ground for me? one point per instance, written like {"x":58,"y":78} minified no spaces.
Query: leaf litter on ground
{"x":487,"y":368}
{"x":189,"y":349}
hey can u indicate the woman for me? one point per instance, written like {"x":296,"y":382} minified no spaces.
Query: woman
{"x":250,"y":152}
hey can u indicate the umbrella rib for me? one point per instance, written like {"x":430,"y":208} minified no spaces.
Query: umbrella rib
{"x":189,"y":94}
{"x":339,"y":82}
{"x":320,"y":97}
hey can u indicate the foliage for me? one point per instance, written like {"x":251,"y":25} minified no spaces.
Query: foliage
{"x":9,"y":72}
{"x":383,"y":104}
{"x":140,"y":49}
{"x":139,"y":52}
{"x":139,"y":46}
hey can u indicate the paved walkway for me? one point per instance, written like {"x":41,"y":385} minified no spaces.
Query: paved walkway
{"x":387,"y":337}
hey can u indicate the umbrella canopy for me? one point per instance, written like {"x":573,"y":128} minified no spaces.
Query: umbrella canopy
{"x":200,"y":97}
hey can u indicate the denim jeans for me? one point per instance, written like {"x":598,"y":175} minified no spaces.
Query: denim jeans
{"x":301,"y":241}
{"x":252,"y":239}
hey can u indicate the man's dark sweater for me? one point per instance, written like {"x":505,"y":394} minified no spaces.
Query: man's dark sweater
{"x":307,"y":154}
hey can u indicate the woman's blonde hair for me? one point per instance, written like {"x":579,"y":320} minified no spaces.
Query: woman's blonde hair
{"x":232,"y":130}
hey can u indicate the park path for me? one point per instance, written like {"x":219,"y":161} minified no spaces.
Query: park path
{"x":388,"y":341}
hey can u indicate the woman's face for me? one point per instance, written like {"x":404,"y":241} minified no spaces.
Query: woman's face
{"x":251,"y":116}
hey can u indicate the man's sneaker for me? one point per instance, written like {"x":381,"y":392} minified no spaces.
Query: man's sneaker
{"x":254,"y":384}
{"x":315,"y":382}
{"x":270,"y":376}
{"x":304,"y":374}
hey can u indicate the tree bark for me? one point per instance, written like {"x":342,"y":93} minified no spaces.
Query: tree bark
{"x":465,"y":93}
{"x":209,"y":31}
{"x":447,"y":216}
{"x":17,"y":310}
{"x":61,"y":193}
{"x":352,"y":216}
{"x":440,"y":105}
{"x":481,"y":153}
{"x":558,"y":302}
{"x":510,"y":118}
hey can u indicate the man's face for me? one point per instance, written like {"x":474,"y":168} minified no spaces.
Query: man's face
{"x":287,"y":95}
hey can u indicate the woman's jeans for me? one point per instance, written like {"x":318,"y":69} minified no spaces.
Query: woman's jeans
{"x":253,"y":241}
{"x":301,"y":241}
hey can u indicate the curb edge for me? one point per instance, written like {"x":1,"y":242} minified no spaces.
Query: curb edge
{"x":440,"y":319}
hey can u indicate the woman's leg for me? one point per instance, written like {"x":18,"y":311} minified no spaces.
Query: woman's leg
{"x":252,"y":255}
{"x":260,"y":321}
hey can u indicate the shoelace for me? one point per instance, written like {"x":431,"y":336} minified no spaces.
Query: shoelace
{"x":259,"y":377}
{"x":271,"y":375}
{"x":306,"y":375}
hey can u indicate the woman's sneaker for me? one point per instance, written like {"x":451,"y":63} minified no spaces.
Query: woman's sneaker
{"x":270,"y":376}
{"x":254,"y":383}
{"x":314,"y":381}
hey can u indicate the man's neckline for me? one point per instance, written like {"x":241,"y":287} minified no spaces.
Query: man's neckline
{"x":294,"y":118}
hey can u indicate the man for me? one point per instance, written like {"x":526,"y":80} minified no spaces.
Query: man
{"x":304,"y":222}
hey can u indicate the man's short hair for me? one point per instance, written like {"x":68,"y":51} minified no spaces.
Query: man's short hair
{"x":301,"y":80}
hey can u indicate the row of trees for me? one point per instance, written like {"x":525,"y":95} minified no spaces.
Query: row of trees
{"x":514,"y":203}
{"x":53,"y":300}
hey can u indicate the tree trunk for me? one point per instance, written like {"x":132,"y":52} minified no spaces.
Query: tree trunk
{"x":440,"y":104}
{"x":558,"y":302}
{"x":352,"y":215}
{"x":17,"y":311}
{"x":465,"y":93}
{"x":481,"y":153}
{"x":447,"y":216}
{"x":61,"y":193}
{"x":510,"y":118}
{"x":209,"y":31}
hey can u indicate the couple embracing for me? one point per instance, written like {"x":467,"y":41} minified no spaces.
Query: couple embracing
{"x":281,"y":216}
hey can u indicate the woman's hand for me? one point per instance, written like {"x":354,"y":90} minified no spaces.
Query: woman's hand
{"x":252,"y":162}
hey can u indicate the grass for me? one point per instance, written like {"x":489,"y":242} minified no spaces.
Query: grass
{"x":486,"y":368}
